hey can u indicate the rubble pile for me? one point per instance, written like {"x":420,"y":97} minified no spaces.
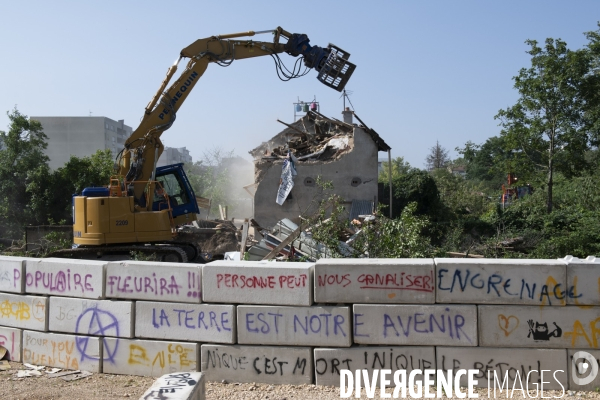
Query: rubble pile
{"x":215,"y":238}
{"x":312,"y":137}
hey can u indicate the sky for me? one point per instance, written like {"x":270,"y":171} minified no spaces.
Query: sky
{"x":426,"y":71}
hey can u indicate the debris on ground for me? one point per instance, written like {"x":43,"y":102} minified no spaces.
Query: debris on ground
{"x":214,"y":237}
{"x":97,"y":386}
{"x":51,"y":371}
{"x":38,"y":370}
{"x":34,"y":367}
{"x":64,"y":373}
{"x":76,"y":376}
{"x":302,"y":246}
{"x":26,"y":373}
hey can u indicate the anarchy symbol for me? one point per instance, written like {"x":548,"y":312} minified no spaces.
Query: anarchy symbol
{"x":94,"y":321}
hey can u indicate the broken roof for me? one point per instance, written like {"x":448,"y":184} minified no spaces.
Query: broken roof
{"x":315,"y":137}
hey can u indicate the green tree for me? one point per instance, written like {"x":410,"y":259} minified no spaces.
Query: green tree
{"x":399,"y":167}
{"x":592,"y":95}
{"x":402,"y":237}
{"x":459,"y":196}
{"x":378,"y":237}
{"x":548,"y":124}
{"x":210,"y":178}
{"x":437,"y":157}
{"x":415,"y":186}
{"x":491,"y":161}
{"x":24,"y":175}
{"x":77,"y":174}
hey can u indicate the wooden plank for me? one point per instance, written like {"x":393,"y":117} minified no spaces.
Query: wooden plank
{"x":244,"y":238}
{"x":203,"y":202}
{"x":294,"y":128}
{"x":223,"y":212}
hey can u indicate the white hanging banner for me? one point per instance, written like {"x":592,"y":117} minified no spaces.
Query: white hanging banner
{"x":287,"y":179}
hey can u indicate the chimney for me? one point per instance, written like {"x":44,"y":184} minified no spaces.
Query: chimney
{"x":348,"y":116}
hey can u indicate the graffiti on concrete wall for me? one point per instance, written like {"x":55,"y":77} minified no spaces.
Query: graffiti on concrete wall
{"x":10,"y":279}
{"x":258,"y":363}
{"x":510,"y":285}
{"x":8,"y":340}
{"x":97,"y":322}
{"x":396,"y":281}
{"x":152,"y":285}
{"x":23,"y":310}
{"x":59,"y":281}
{"x":47,"y":351}
{"x":173,"y":357}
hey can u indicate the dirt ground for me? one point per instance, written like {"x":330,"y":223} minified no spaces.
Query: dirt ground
{"x":108,"y":387}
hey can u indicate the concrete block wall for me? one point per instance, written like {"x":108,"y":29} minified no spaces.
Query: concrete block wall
{"x":301,"y":323}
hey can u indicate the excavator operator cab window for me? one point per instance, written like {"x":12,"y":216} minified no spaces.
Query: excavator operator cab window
{"x":174,"y":188}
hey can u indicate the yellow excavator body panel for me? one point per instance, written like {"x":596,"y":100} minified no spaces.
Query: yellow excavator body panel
{"x":112,"y":220}
{"x":185,"y":219}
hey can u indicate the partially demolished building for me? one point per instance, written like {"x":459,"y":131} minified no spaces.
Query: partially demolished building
{"x":341,"y":152}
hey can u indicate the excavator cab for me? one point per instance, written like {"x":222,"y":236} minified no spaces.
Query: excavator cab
{"x":178,"y":191}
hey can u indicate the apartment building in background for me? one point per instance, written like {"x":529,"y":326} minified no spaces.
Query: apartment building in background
{"x":172,"y":155}
{"x":83,"y":136}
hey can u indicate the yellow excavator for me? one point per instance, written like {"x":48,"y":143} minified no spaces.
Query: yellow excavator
{"x":142,"y":207}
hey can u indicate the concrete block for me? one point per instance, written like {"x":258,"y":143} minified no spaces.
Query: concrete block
{"x":372,"y":280}
{"x":491,"y":281}
{"x":583,"y":280}
{"x":296,"y":326}
{"x":64,"y":277}
{"x":149,"y":357}
{"x":500,"y":361}
{"x":214,"y":323}
{"x":581,"y":371}
{"x":329,"y":362}
{"x":262,"y":364}
{"x":542,"y":327}
{"x":22,"y":311}
{"x":258,"y":282}
{"x":62,"y":351}
{"x":12,"y":272}
{"x":10,"y":339}
{"x":91,"y":317}
{"x":432,"y":325}
{"x":154,"y":281}
{"x":177,"y":386}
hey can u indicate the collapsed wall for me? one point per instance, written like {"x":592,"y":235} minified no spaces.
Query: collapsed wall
{"x":343,"y":154}
{"x":298,"y":323}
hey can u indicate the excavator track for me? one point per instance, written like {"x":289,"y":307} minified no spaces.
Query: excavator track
{"x":165,"y":253}
{"x":192,"y":250}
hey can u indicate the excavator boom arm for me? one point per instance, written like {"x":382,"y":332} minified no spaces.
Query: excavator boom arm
{"x":143,"y":147}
